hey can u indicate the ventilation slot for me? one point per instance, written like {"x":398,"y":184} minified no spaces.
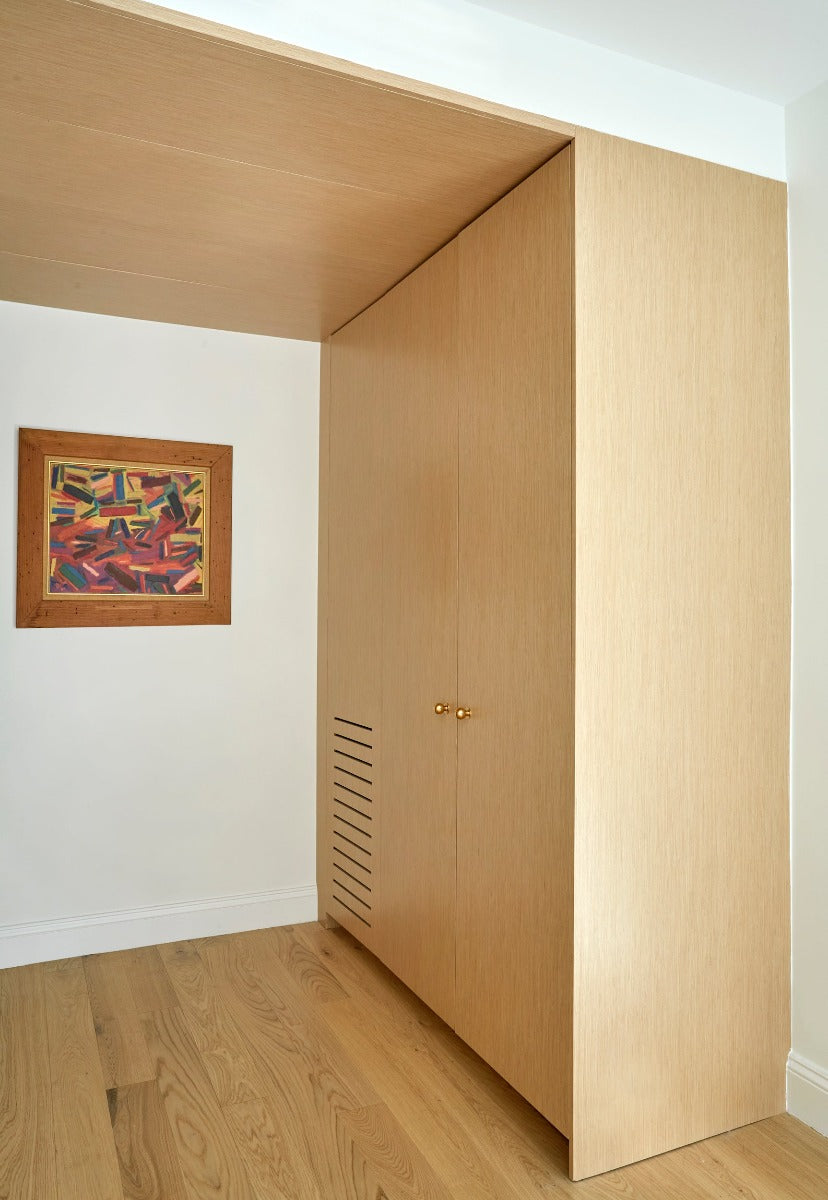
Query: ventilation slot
{"x":352,"y":803}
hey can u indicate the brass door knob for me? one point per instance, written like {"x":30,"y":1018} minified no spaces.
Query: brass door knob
{"x":442,"y":709}
{"x":462,"y":713}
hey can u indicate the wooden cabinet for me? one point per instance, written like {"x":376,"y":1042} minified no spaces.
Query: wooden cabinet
{"x":555,"y":491}
{"x":515,"y":621}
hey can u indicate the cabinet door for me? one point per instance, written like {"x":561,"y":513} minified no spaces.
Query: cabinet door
{"x":515,"y":668}
{"x":419,"y":630}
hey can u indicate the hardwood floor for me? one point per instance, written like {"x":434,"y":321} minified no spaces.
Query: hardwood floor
{"x":288,"y":1064}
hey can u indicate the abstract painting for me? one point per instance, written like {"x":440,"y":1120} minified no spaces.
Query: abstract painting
{"x":120,"y":530}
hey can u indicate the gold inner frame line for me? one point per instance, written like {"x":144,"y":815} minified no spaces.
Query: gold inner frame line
{"x":131,"y":465}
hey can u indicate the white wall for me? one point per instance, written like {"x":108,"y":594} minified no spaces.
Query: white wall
{"x":807,"y":139}
{"x":163,"y":766}
{"x":458,"y":45}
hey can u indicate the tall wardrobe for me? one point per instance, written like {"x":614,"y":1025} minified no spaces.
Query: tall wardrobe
{"x":554,"y":643}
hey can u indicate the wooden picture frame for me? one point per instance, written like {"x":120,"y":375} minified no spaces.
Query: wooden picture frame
{"x":194,"y":586}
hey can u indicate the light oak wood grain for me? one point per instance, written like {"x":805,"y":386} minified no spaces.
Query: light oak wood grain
{"x":235,"y":965}
{"x":274,"y":1165}
{"x":232,"y":1071}
{"x":148,"y":1161}
{"x":309,"y":1079}
{"x":148,"y":980}
{"x":682,"y":651}
{"x":380,"y":1094}
{"x":476,"y":1103}
{"x":27,"y":1160}
{"x":428,"y":1114}
{"x":354,"y":607}
{"x":300,"y":964}
{"x":417,"y":375}
{"x":324,"y":836}
{"x":210,"y":1161}
{"x":121,"y":1046}
{"x":515,"y":630}
{"x":36,"y":280}
{"x":86,"y":1165}
{"x":340,"y":69}
{"x":378,"y":1159}
{"x":190,"y":158}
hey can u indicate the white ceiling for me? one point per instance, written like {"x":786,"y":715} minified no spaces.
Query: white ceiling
{"x":774,"y":49}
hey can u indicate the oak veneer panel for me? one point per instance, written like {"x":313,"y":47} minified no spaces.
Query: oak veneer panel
{"x":37,"y":280}
{"x":27,"y":1161}
{"x":515,"y":670}
{"x":418,"y":364}
{"x":354,"y":593}
{"x":682,"y":651}
{"x":139,"y":140}
{"x":323,"y":750}
{"x":419,"y":593}
{"x":222,"y":93}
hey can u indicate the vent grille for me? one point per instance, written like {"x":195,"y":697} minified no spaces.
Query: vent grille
{"x":352,"y":849}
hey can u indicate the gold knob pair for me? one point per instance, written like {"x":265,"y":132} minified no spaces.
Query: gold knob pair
{"x":461,"y":713}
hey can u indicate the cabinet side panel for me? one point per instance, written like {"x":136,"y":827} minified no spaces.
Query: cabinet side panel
{"x":682,"y":652}
{"x":323,"y":816}
{"x":515,"y":789}
{"x":354,"y":619}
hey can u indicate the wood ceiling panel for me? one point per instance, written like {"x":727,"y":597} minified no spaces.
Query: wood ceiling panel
{"x":135,"y":144}
{"x":144,"y":189}
{"x":110,"y":71}
{"x":92,"y":289}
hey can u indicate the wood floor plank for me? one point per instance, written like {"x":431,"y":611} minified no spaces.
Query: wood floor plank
{"x":302,"y":964}
{"x":121,"y":1045}
{"x":85,"y":1161}
{"x":484,"y":1106}
{"x":361,"y":974}
{"x":378,"y":1159}
{"x":27,"y":1160}
{"x":151,"y":988}
{"x":277,"y":1167}
{"x":429,"y":1116}
{"x":149,"y":1165}
{"x":210,"y":1162}
{"x":755,"y":1161}
{"x":310,"y":1081}
{"x":302,"y":1074}
{"x":236,"y":968}
{"x":232,"y":1072}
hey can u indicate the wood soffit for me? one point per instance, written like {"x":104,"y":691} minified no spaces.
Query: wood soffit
{"x":162,"y":167}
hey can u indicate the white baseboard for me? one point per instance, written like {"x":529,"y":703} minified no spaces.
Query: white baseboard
{"x":96,"y":933}
{"x":808,"y":1092}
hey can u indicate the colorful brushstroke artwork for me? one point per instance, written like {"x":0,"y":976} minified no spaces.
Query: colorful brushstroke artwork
{"x":125,"y":530}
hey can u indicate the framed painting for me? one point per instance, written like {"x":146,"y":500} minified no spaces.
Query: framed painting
{"x":122,"y":531}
